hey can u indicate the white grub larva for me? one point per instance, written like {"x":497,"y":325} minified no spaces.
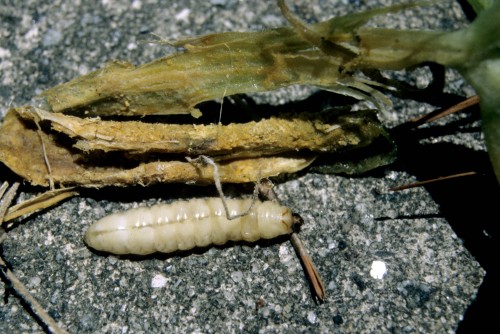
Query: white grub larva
{"x":184,"y":225}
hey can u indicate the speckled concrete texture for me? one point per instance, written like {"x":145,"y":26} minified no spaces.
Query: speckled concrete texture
{"x":423,"y":237}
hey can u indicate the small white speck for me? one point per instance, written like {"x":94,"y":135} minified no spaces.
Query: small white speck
{"x":333,"y":127}
{"x":159,"y":281}
{"x":4,"y":53}
{"x":378,"y":269}
{"x":68,"y":248}
{"x":49,"y":239}
{"x":32,"y":33}
{"x":34,"y":281}
{"x":183,"y":15}
{"x":312,"y":317}
{"x":284,"y":254}
{"x":429,"y":279}
{"x":392,"y":176}
{"x":136,"y":4}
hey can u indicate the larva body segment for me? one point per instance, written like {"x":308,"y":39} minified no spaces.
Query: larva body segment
{"x":184,"y":225}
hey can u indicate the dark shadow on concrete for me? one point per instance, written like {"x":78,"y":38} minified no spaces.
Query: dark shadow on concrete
{"x":470,"y":206}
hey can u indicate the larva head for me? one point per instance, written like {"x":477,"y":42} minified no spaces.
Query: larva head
{"x":297,"y":222}
{"x":274,"y":220}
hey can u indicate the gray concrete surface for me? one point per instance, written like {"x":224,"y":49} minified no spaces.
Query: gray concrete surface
{"x":351,"y":222}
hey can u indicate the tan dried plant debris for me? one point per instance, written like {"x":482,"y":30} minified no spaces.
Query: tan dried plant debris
{"x":45,"y":200}
{"x":21,"y":151}
{"x":324,"y":55}
{"x":95,"y":153}
{"x":326,"y":132}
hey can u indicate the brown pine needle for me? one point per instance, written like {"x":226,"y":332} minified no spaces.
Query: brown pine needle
{"x":438,"y":179}
{"x":23,"y":292}
{"x":266,"y":189}
{"x":312,"y":272}
{"x":431,"y":117}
